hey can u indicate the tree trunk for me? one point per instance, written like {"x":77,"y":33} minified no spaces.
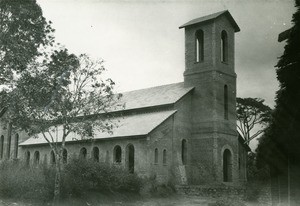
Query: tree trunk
{"x":57,"y":184}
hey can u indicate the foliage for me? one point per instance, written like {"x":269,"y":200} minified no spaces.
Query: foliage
{"x":257,"y":178}
{"x":83,"y":175}
{"x":252,"y":112}
{"x":50,"y":91}
{"x":254,"y":174}
{"x":22,"y":182}
{"x":228,"y":201}
{"x":281,"y":141}
{"x":58,"y":92}
{"x":23,"y":31}
{"x":61,"y":95}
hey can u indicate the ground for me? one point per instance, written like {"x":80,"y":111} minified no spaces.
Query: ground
{"x":174,"y":200}
{"x":169,"y":201}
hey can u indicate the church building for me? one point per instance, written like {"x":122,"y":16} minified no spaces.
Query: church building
{"x":183,"y":132}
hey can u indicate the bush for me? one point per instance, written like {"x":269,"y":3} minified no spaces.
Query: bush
{"x":78,"y":177}
{"x":81,"y":176}
{"x":23,"y":182}
{"x":252,"y":192}
{"x":152,"y":188}
{"x":229,"y":201}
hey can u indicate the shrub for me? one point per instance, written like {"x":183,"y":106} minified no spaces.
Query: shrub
{"x":152,"y":188}
{"x":24,"y":182}
{"x":252,"y":191}
{"x":81,"y":176}
{"x":78,"y":177}
{"x":229,"y":201}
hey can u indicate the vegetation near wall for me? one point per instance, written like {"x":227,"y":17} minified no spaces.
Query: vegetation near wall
{"x":80,"y":176}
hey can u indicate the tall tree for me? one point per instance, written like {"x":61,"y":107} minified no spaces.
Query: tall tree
{"x":280,"y":145}
{"x":23,"y":31}
{"x":65,"y":95}
{"x":252,"y":115}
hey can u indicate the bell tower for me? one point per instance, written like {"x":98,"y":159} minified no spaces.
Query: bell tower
{"x":209,"y":68}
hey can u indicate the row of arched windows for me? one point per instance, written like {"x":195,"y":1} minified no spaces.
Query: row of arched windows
{"x":16,"y":146}
{"x":36,"y":157}
{"x":227,"y":157}
{"x":117,"y":155}
{"x":64,"y":157}
{"x":200,"y":46}
{"x":129,"y":156}
{"x":164,"y":156}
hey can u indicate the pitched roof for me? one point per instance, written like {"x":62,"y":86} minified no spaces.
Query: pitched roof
{"x":212,"y":17}
{"x":153,"y":96}
{"x":127,"y":126}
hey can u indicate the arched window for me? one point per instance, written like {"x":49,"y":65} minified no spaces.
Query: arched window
{"x":16,"y":145}
{"x":27,"y":157}
{"x":225,"y":102}
{"x":130,"y":158}
{"x":227,"y":166}
{"x":36,"y":157}
{"x":95,"y":154}
{"x":82,"y":153}
{"x":52,"y":157}
{"x":107,"y":157}
{"x":224,"y":46}
{"x":164,"y":157}
{"x":184,"y":152}
{"x":65,"y":156}
{"x":156,"y":156}
{"x":199,"y":46}
{"x":1,"y":146}
{"x":117,"y":154}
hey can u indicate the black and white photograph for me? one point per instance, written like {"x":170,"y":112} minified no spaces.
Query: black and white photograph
{"x":149,"y":102}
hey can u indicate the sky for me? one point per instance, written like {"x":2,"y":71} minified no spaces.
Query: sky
{"x":142,"y":46}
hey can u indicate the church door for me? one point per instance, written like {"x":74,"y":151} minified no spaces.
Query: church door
{"x":130,"y":158}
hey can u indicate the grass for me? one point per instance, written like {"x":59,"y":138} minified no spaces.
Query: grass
{"x":96,"y":199}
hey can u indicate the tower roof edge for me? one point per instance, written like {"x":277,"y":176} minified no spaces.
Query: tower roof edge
{"x":212,"y":17}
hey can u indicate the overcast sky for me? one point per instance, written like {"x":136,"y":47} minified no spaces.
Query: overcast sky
{"x":143,"y":47}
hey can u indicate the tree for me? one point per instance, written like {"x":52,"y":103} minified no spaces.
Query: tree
{"x":65,"y":94}
{"x":23,"y":32}
{"x":252,"y":114}
{"x":279,"y":147}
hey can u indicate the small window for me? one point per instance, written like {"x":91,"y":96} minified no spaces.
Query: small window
{"x":1,"y":146}
{"x":65,"y":156}
{"x":199,"y":46}
{"x":164,"y":157}
{"x":27,"y":158}
{"x":117,"y":154}
{"x":107,"y":157}
{"x":227,"y":166}
{"x":52,"y":157}
{"x":156,"y":156}
{"x":36,"y":157}
{"x":82,"y":153}
{"x":16,"y":145}
{"x":184,"y":152}
{"x":224,"y":46}
{"x":225,"y":102}
{"x":95,"y":154}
